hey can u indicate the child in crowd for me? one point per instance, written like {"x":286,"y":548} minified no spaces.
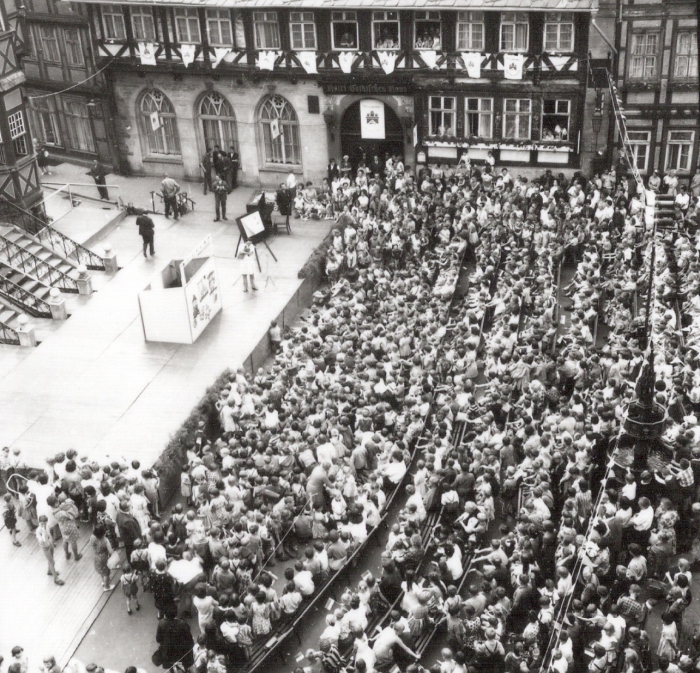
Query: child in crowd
{"x":9,"y":516}
{"x":130,"y":586}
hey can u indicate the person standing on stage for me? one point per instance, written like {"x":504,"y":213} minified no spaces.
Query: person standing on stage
{"x":169,"y":189}
{"x":220,"y":189}
{"x":234,"y":165}
{"x":248,"y":255}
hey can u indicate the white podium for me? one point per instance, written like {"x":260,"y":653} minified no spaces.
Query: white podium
{"x":180,"y":301}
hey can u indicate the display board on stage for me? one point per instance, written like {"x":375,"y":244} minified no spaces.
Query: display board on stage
{"x":251,"y":227}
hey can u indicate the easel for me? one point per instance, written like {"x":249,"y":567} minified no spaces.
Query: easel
{"x":253,"y":220}
{"x":240,"y":237}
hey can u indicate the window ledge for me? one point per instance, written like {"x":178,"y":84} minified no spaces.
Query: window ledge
{"x":282,"y":168}
{"x":153,"y":159}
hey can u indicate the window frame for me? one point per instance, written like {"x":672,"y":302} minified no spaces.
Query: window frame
{"x":519,"y":114}
{"x":303,"y":24}
{"x":53,"y":58}
{"x":170,"y":138}
{"x":470,"y":21}
{"x":86,"y":130}
{"x":690,"y":56}
{"x":556,"y":113}
{"x":286,"y":126}
{"x":519,"y":19}
{"x":188,"y":13}
{"x":140,"y":16}
{"x":348,"y":16}
{"x":442,"y":111}
{"x":480,"y":116}
{"x":113,"y":11}
{"x":386,"y":20}
{"x":679,"y":143}
{"x":636,"y":143}
{"x":266,"y":21}
{"x":217,"y":18}
{"x":71,"y":47}
{"x":632,"y":67}
{"x":428,"y":20}
{"x":558,"y":23}
{"x":40,"y":109}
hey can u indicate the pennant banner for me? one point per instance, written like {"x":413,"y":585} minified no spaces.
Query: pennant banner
{"x":147,"y":53}
{"x":387,"y":60}
{"x":308,"y":61}
{"x":155,"y":121}
{"x":219,"y":53}
{"x":472,"y":62}
{"x":346,"y":59}
{"x":275,"y":130}
{"x":513,"y":66}
{"x":266,"y":60}
{"x":429,"y":57}
{"x":187,"y":53}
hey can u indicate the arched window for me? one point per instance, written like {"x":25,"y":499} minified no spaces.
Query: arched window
{"x":280,"y":131}
{"x":158,"y":125}
{"x":218,"y":122}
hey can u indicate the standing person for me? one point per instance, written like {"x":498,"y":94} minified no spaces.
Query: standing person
{"x":42,"y":160}
{"x":205,"y":165}
{"x":169,"y":189}
{"x":220,"y":189}
{"x":217,"y":159}
{"x":129,"y":529}
{"x":147,"y":233}
{"x":234,"y":164}
{"x":248,"y":255}
{"x":175,"y":642}
{"x":66,"y":514}
{"x":333,"y":171}
{"x":284,"y":203}
{"x":99,"y":175}
{"x":163,"y":589}
{"x":47,"y":544}
{"x":102,"y":550}
{"x":9,"y":516}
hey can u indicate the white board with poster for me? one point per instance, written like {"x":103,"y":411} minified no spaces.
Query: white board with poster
{"x":203,"y":296}
{"x":250,"y":225}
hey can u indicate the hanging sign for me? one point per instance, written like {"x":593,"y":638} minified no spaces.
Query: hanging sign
{"x":275,"y":130}
{"x":155,"y":121}
{"x":513,"y":66}
{"x":372,"y":119}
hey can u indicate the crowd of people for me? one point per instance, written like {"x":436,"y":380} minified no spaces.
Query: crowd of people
{"x":519,"y":543}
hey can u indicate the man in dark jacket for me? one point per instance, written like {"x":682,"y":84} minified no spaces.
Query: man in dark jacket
{"x":206,"y":166}
{"x":99,"y":174}
{"x":233,"y":165}
{"x":175,"y":641}
{"x":147,"y":233}
{"x":129,"y":529}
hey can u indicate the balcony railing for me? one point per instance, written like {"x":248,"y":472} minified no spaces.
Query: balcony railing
{"x":8,"y":335}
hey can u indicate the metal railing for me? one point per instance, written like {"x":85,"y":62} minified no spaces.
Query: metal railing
{"x":8,"y":335}
{"x":47,"y":235}
{"x":28,"y":302}
{"x":184,"y":202}
{"x":28,"y":263}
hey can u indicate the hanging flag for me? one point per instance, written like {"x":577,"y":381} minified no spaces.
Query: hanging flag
{"x":219,"y":53}
{"x":387,"y":59}
{"x":266,"y":60}
{"x":147,"y":53}
{"x":155,"y":121}
{"x":372,"y":119}
{"x":429,"y":57}
{"x":472,"y":62}
{"x":275,"y":130}
{"x":346,"y":59}
{"x":187,"y":53}
{"x":513,"y":66}
{"x":308,"y":61}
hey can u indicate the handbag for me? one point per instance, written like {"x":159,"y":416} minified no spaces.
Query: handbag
{"x":114,"y":562}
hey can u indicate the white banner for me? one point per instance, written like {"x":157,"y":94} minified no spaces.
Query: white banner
{"x":472,"y":62}
{"x":372,"y":119}
{"x":147,"y":53}
{"x":266,"y":60}
{"x":155,"y":121}
{"x":429,"y":57}
{"x":346,"y":59}
{"x":387,"y":60}
{"x":308,"y":61}
{"x":513,"y":66}
{"x":187,"y":53}
{"x":275,"y":130}
{"x":219,"y":53}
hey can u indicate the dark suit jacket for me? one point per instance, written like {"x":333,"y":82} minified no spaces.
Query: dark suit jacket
{"x":129,"y":528}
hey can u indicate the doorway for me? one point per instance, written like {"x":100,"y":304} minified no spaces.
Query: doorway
{"x":358,"y":148}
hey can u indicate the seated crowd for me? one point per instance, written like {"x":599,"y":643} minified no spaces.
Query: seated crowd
{"x":517,"y":544}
